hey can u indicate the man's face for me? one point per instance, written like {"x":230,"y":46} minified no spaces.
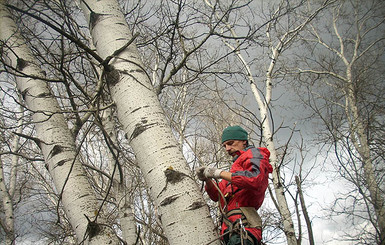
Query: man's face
{"x":232,"y":146}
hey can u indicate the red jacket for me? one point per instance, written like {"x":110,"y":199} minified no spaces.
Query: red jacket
{"x":249,"y":181}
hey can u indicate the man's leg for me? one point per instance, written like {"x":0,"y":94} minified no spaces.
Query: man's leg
{"x":235,"y":239}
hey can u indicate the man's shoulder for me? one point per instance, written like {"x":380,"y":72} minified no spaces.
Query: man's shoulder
{"x":257,"y":150}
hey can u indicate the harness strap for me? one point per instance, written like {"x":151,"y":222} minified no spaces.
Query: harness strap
{"x":249,"y":219}
{"x":236,"y":227}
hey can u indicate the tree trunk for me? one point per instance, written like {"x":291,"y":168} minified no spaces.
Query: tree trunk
{"x":7,"y":194}
{"x":8,"y":219}
{"x":182,"y":209}
{"x":122,"y":193}
{"x":361,"y":144}
{"x":277,"y":180}
{"x":53,"y":136}
{"x":304,"y":211}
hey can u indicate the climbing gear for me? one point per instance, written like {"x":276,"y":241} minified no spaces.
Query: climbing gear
{"x":249,"y":219}
{"x":252,"y":217}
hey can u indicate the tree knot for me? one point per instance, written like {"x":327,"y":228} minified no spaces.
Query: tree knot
{"x":173,"y":176}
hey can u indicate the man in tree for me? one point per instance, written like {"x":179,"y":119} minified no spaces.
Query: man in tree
{"x":242,"y":190}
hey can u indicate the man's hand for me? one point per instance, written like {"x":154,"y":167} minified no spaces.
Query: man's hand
{"x":205,"y":173}
{"x":200,"y":173}
{"x":212,"y":173}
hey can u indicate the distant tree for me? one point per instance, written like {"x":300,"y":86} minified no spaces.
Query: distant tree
{"x":342,"y":82}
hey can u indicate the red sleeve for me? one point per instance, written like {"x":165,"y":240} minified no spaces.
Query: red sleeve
{"x":212,"y":191}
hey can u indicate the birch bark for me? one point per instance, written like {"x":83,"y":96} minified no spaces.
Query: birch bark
{"x":361,"y":144}
{"x":53,"y":136}
{"x":7,"y":205}
{"x":7,"y":194}
{"x":182,"y":210}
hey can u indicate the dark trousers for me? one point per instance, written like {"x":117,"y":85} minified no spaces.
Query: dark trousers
{"x":235,"y":239}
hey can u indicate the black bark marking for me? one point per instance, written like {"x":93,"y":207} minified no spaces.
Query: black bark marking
{"x":21,"y":64}
{"x":168,"y":147}
{"x":56,"y":150}
{"x":61,"y":163}
{"x":172,"y":223}
{"x":140,"y":128}
{"x":23,"y":93}
{"x":94,"y":19}
{"x":173,"y":176}
{"x":169,"y":200}
{"x":139,"y":108}
{"x":136,"y":70}
{"x":43,"y":95}
{"x":196,"y":205}
{"x":112,"y":77}
{"x":93,"y":228}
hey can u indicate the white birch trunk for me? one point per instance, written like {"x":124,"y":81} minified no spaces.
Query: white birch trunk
{"x":122,"y":192}
{"x":54,"y":137}
{"x":361,"y":144}
{"x":357,"y":128}
{"x":7,"y":194}
{"x":182,"y":209}
{"x":7,"y":205}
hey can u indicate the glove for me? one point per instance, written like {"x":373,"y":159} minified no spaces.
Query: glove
{"x":212,"y":173}
{"x":199,"y":171}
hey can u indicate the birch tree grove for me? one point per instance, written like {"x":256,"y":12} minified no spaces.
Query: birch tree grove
{"x":108,"y":106}
{"x":53,"y":137}
{"x":182,"y":210}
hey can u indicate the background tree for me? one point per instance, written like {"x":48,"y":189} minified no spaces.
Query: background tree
{"x":343,"y":86}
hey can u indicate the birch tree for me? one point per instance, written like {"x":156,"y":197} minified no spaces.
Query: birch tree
{"x":53,"y":137}
{"x":7,"y":223}
{"x":122,"y":183}
{"x":187,"y":50}
{"x":345,"y":84}
{"x":182,"y":210}
{"x":8,"y":190}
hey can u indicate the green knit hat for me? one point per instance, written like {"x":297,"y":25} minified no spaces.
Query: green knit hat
{"x":234,"y":133}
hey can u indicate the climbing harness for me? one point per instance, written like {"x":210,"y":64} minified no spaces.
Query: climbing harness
{"x":249,"y":219}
